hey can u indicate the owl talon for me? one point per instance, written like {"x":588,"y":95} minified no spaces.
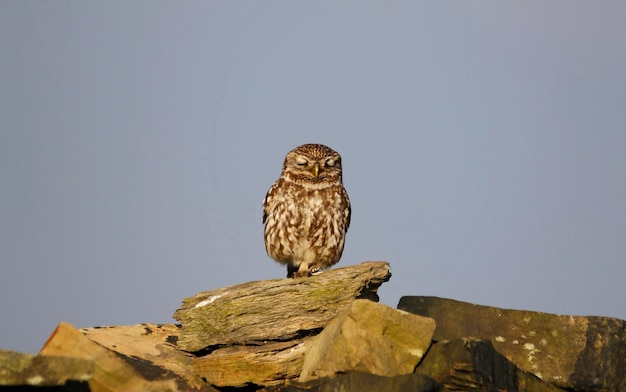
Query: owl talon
{"x":315,"y":271}
{"x":300,"y":274}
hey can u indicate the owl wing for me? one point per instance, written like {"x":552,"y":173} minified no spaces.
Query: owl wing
{"x":267,"y":202}
{"x":347,"y":210}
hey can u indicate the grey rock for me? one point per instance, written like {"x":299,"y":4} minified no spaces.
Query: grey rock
{"x":474,"y":365}
{"x":359,"y":382}
{"x":577,"y":353}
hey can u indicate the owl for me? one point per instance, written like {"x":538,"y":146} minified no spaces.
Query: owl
{"x":306,"y":212}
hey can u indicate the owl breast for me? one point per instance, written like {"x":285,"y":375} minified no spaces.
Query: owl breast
{"x":306,"y":226}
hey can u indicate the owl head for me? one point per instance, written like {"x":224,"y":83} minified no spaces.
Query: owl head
{"x":313,"y":163}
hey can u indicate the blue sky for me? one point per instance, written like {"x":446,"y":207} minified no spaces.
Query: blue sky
{"x":483,"y":150}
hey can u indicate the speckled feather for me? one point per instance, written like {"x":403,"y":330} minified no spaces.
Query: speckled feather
{"x":306,"y":215}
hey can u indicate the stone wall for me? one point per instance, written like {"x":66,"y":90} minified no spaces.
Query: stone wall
{"x":328,"y":333}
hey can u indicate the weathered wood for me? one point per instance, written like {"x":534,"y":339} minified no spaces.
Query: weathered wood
{"x":278,"y":309}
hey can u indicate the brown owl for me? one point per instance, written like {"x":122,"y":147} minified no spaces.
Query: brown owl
{"x":307,"y":211}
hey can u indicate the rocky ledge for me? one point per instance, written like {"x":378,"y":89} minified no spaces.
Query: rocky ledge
{"x":328,"y":333}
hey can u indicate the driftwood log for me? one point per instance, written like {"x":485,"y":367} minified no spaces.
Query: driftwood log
{"x":274,"y":310}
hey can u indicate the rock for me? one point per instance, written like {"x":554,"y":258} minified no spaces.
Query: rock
{"x":369,"y":337}
{"x":358,"y":382}
{"x":17,"y":369}
{"x":572,"y":352}
{"x":267,"y":364}
{"x":320,"y":334}
{"x":474,"y":365}
{"x":151,"y":349}
{"x":279,"y":309}
{"x":136,"y":358}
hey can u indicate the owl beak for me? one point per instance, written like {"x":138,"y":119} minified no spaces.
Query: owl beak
{"x":316,"y":169}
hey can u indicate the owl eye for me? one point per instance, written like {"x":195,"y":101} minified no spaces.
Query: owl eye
{"x":301,"y":161}
{"x":330,"y":163}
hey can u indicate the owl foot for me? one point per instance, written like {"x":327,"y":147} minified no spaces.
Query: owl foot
{"x":291,"y":271}
{"x":299,"y":271}
{"x":302,"y":271}
{"x":301,"y":274}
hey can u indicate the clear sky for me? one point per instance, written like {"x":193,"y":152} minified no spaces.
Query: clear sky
{"x":483,"y":144}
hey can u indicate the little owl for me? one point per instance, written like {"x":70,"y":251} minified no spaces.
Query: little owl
{"x":307,"y":211}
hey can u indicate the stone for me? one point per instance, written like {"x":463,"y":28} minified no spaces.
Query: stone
{"x":266,"y":364}
{"x":358,"y":382}
{"x":371,"y":338}
{"x":572,"y":352}
{"x":64,"y":373}
{"x":115,"y":371}
{"x":474,"y":365}
{"x":151,"y":349}
{"x":321,"y":334}
{"x":279,"y":309}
